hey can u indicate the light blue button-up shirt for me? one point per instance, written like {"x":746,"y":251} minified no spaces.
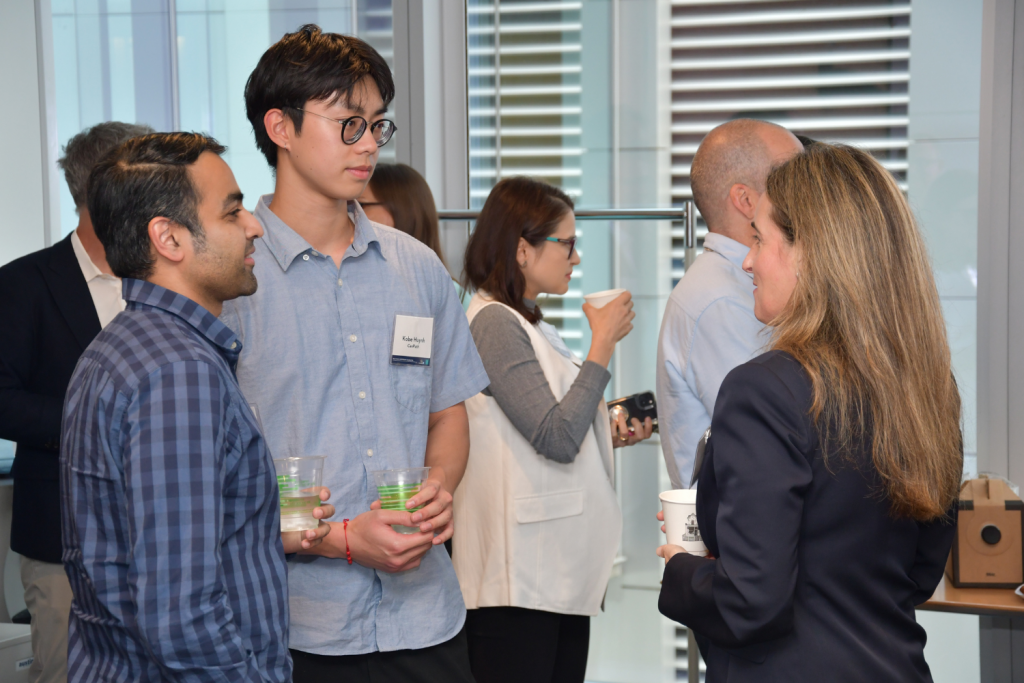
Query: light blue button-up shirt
{"x":316,"y":362}
{"x":709,"y":328}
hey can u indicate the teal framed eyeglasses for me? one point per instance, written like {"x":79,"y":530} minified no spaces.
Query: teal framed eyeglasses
{"x":570,"y":241}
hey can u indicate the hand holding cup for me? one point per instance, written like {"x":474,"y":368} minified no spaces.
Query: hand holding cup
{"x":610,"y":321}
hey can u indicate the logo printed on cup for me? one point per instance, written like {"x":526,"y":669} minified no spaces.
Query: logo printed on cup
{"x":680,"y":508}
{"x":692,"y":530}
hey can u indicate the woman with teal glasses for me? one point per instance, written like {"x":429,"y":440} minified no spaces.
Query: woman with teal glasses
{"x":537,"y":517}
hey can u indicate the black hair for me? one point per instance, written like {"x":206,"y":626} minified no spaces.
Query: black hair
{"x":142,"y":179}
{"x":310,"y":65}
{"x":88,"y":147}
{"x":516,"y":207}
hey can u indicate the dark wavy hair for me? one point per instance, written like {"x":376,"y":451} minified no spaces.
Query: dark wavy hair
{"x":310,"y":65}
{"x":142,"y":179}
{"x":517,"y":207}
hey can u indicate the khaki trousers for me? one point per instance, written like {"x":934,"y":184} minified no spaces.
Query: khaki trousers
{"x":48,"y":598}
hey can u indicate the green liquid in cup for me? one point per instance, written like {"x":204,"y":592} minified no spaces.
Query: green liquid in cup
{"x":394,"y":498}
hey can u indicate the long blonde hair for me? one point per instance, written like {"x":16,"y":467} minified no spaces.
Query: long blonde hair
{"x":865,"y":323}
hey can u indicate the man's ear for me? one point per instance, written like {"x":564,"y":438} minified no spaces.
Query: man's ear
{"x":744,"y":199}
{"x":167,"y":239}
{"x":279,"y":127}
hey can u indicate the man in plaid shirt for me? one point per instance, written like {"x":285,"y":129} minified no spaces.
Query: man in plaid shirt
{"x":169,"y":497}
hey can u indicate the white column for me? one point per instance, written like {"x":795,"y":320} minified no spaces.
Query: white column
{"x":430,"y":106}
{"x":23,"y":229}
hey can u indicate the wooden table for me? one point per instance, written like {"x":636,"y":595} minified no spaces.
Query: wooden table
{"x":1001,"y":624}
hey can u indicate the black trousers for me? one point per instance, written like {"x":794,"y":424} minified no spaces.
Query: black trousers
{"x":448,"y":662}
{"x":516,"y":645}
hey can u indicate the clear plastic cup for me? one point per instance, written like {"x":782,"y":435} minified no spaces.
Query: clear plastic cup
{"x":298,"y":483}
{"x":395,"y":487}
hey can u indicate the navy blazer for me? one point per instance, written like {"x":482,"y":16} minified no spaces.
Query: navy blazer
{"x":47,"y":318}
{"x":814,"y":580}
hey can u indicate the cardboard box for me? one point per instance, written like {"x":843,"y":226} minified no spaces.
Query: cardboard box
{"x":15,"y":652}
{"x":988,"y":549}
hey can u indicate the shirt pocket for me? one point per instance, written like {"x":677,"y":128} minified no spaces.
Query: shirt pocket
{"x":412,"y":386}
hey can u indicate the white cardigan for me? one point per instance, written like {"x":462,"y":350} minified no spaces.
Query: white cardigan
{"x":531,"y":532}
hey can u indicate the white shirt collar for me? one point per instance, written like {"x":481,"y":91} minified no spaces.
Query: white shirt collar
{"x":89,"y":269}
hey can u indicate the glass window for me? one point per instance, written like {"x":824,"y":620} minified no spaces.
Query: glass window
{"x":612,"y":109}
{"x":114,"y":60}
{"x":525,"y":117}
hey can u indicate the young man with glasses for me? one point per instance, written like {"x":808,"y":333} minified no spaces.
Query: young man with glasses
{"x":356,"y":348}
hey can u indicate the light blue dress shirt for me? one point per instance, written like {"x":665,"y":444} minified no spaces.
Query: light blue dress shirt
{"x":316,"y":362}
{"x":709,"y":328}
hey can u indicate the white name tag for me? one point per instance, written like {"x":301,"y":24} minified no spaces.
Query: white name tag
{"x":411,"y":344}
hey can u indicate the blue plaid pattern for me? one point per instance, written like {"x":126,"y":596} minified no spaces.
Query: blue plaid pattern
{"x":169,"y":505}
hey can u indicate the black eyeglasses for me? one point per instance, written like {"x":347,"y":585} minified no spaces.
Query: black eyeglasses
{"x":353,"y":128}
{"x":570,"y":241}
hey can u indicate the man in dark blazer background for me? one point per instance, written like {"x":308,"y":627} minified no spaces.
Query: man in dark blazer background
{"x":52,"y":303}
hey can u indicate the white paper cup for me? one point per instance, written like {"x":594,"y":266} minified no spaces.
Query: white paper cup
{"x":601,"y":299}
{"x":680,"y":508}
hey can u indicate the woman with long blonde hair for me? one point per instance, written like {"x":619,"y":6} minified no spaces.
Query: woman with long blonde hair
{"x":827,"y":492}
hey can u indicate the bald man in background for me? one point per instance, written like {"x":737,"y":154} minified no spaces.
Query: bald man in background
{"x":709,"y":326}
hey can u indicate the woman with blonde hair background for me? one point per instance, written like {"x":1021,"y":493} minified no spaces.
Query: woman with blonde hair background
{"x":827,"y":491}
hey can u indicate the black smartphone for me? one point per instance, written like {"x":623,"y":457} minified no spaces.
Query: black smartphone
{"x":640,"y":406}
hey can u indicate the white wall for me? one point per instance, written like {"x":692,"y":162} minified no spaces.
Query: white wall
{"x":21,"y":173}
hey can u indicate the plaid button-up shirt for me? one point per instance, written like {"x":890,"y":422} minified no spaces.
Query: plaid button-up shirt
{"x":169,"y":505}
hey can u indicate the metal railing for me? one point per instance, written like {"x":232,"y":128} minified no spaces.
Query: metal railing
{"x":686,"y":214}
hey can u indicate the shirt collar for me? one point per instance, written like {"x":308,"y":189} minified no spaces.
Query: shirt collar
{"x":286,"y":245}
{"x":89,"y":269}
{"x":730,"y":249}
{"x":141,"y":293}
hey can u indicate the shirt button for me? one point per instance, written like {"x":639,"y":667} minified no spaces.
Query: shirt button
{"x":369,"y":452}
{"x":352,"y":337}
{"x":305,"y":257}
{"x":234,"y":345}
{"x":339,"y":282}
{"x":362,"y":394}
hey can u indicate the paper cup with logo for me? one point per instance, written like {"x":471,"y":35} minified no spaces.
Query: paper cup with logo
{"x":602,"y":299}
{"x":680,"y":508}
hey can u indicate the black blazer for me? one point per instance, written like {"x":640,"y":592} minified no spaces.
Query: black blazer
{"x":47,"y":318}
{"x":814,"y":581}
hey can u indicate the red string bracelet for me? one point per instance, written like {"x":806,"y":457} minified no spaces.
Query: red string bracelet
{"x":348,"y":553}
